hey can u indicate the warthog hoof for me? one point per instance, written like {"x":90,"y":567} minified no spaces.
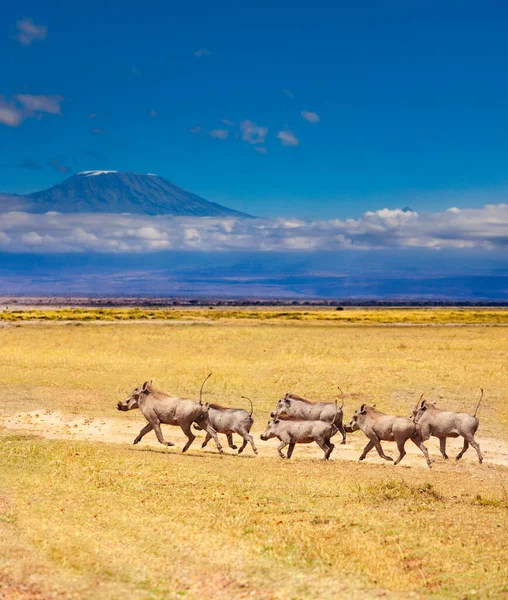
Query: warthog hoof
{"x":234,"y":447}
{"x":169,"y":443}
{"x":343,"y":442}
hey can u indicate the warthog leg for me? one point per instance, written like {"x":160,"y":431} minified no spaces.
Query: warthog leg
{"x":442,"y":447}
{"x":158,"y":432}
{"x":324,"y":447}
{"x":367,"y":449}
{"x":374,"y":444}
{"x":475,"y":445}
{"x":280,"y":447}
{"x":247,"y":438}
{"x":418,"y":442}
{"x":464,"y":448}
{"x":230,"y":441}
{"x":342,"y":432}
{"x":290,"y":449}
{"x":190,"y":436}
{"x":402,"y":451}
{"x":146,"y":429}
{"x":206,"y":440}
{"x":211,"y":431}
{"x":330,"y":448}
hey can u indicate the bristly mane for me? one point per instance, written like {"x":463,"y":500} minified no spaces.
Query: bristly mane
{"x":300,"y":399}
{"x":219,"y":407}
{"x":373,"y":409}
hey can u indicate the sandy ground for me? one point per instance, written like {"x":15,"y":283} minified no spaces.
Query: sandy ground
{"x":56,"y":425}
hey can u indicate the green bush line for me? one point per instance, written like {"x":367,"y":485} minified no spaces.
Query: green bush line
{"x":405,"y":316}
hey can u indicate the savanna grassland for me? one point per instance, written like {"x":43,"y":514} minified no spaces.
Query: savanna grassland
{"x":109,"y":520}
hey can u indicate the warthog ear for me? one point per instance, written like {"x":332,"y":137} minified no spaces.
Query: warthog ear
{"x":362,"y":407}
{"x":146,"y":385}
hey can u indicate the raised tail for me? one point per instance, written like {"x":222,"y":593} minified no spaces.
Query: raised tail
{"x":342,"y":394}
{"x":202,"y":385}
{"x":251,"y":405}
{"x":479,"y":402}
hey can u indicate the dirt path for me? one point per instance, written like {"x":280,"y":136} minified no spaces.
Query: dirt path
{"x":56,"y":425}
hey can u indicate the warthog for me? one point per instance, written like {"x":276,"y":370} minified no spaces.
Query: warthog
{"x":297,"y":407}
{"x":380,"y":427}
{"x":296,"y":431}
{"x":444,"y":424}
{"x":229,"y":421}
{"x":158,"y":407}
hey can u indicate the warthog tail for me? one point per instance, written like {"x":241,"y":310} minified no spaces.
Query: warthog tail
{"x":202,"y":385}
{"x":479,"y":402}
{"x":419,"y":400}
{"x":251,"y":405}
{"x":342,"y":394}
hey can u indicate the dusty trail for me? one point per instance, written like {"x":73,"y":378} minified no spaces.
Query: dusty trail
{"x":56,"y":425}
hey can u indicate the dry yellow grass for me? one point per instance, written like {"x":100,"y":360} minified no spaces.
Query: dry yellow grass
{"x":115,"y":521}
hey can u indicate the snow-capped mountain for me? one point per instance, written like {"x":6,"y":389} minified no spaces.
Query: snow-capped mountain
{"x":118,"y":192}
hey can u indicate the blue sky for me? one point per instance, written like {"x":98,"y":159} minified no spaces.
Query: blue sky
{"x":409,"y":100}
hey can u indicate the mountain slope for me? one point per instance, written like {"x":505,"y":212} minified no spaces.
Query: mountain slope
{"x":117,"y":192}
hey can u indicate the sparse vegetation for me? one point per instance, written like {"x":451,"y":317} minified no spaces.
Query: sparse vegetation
{"x":117,"y":521}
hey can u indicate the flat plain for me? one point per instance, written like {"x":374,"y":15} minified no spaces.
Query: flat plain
{"x":83,"y":513}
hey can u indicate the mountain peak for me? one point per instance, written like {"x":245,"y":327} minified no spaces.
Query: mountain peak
{"x":124,"y":192}
{"x":91,"y":173}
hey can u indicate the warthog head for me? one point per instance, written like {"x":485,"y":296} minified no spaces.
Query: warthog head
{"x":269,"y":431}
{"x":132,"y":401}
{"x":421,"y":410}
{"x":282,"y":406}
{"x":357,"y":419}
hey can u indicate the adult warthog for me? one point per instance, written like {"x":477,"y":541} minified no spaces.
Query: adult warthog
{"x":159,"y":408}
{"x":445,"y":424}
{"x":231,"y":420}
{"x":296,"y":431}
{"x":379,"y":427}
{"x":297,"y":407}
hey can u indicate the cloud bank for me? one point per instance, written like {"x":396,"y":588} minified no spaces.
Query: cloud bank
{"x":483,"y":228}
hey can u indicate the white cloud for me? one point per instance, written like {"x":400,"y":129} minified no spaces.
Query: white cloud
{"x":227,"y":122}
{"x":30,"y":32}
{"x":253,"y":133}
{"x":10,"y":114}
{"x":21,"y":106}
{"x":485,"y":228}
{"x":221,"y":134}
{"x":35,"y":104}
{"x":261,"y":150}
{"x":312,"y":117}
{"x":202,"y":52}
{"x":289,"y":94}
{"x":288,"y":138}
